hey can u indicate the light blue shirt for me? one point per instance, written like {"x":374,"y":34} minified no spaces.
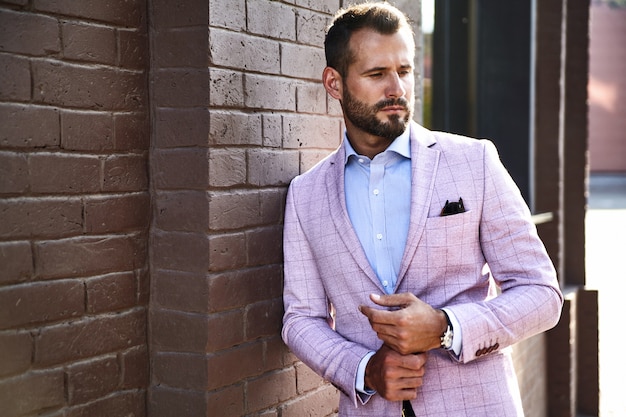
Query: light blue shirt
{"x":378,"y":199}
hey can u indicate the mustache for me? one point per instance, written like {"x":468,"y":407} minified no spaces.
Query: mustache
{"x":400,"y":101}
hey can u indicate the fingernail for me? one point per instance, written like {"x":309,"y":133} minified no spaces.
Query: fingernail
{"x":375,"y":297}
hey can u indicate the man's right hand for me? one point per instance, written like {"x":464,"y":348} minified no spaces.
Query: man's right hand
{"x":394,"y":376}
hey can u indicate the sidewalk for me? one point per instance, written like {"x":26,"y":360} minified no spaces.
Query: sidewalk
{"x":606,"y":272}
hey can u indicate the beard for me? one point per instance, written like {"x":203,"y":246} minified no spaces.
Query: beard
{"x":364,"y":116}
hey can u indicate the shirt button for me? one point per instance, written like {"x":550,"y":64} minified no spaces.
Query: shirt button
{"x":376,"y":192}
{"x":361,"y":160}
{"x":379,"y":236}
{"x":385,"y":283}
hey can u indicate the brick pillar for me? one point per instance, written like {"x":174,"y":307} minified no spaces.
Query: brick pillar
{"x":74,"y":208}
{"x":237,"y":114}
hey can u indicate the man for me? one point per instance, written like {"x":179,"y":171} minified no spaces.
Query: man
{"x":411,"y":262}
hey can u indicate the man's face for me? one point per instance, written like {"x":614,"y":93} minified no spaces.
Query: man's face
{"x":378,"y":88}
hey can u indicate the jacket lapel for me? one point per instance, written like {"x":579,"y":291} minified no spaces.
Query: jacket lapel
{"x":339,"y":213}
{"x":424,"y":163}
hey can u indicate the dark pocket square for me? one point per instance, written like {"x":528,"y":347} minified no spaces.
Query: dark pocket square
{"x":453,"y":207}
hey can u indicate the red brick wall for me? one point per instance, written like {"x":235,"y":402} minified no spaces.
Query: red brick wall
{"x":607,"y":89}
{"x":74,"y":208}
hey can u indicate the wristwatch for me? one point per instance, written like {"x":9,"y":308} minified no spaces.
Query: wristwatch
{"x":448,"y":334}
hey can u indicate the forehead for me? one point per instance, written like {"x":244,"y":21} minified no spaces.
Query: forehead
{"x":369,"y":47}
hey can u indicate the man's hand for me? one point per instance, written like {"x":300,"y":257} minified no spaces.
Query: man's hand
{"x":412,"y":326}
{"x":394,"y":376}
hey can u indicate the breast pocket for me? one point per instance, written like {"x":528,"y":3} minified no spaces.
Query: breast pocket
{"x":451,"y":241}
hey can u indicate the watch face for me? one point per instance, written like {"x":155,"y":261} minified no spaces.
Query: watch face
{"x":446,"y":339}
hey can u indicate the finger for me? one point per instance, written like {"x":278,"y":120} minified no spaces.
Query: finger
{"x":392,"y":300}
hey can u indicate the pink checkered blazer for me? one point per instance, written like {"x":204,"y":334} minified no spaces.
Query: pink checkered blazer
{"x":454,"y":261}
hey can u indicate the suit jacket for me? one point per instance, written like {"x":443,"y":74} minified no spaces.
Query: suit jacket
{"x":461,"y":262}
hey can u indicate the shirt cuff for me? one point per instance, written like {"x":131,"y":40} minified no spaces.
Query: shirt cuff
{"x":360,"y":378}
{"x":457,"y":339}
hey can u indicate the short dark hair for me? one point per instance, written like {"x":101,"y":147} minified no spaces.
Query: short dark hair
{"x":381,"y":17}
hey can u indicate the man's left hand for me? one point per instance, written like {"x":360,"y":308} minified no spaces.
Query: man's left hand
{"x":409,"y":325}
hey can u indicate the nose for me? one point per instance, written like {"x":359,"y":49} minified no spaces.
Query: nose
{"x":395,"y":88}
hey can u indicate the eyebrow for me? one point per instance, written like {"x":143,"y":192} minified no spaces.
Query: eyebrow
{"x":376,"y":69}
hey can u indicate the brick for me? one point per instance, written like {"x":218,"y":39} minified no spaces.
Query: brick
{"x":117,"y":213}
{"x":81,"y":131}
{"x":179,"y":370}
{"x":271,"y":19}
{"x":43,"y":218}
{"x":90,"y":337}
{"x":47,"y":302}
{"x":93,"y":88}
{"x":167,"y":402}
{"x":29,"y":126}
{"x":326,"y":6}
{"x":89,"y":43}
{"x":227,"y":252}
{"x":62,"y":173}
{"x":229,"y":401}
{"x":185,"y":88}
{"x":271,"y":389}
{"x":224,"y":330}
{"x":17,"y":262}
{"x":244,"y":52}
{"x":180,"y":251}
{"x":302,"y":61}
{"x":87,"y":381}
{"x":14,"y":78}
{"x":270,"y":93}
{"x":265,"y":245}
{"x":311,"y":132}
{"x":321,"y":402}
{"x":227,"y":167}
{"x":272,"y":167}
{"x":181,"y":47}
{"x":311,"y":27}
{"x":112,"y":292}
{"x":181,"y":168}
{"x":183,"y":211}
{"x":277,"y":355}
{"x":13,"y":173}
{"x":125,"y":173}
{"x":236,"y":289}
{"x":309,"y":158}
{"x":135,"y":368}
{"x":311,"y":98}
{"x":230,"y":366}
{"x":16,"y":350}
{"x":131,"y":131}
{"x":166,"y":13}
{"x":121,"y":12}
{"x":130,"y":403}
{"x":89,"y":255}
{"x":180,"y":291}
{"x":181,"y":127}
{"x":229,"y":15}
{"x":272,"y":130}
{"x":231,"y":128}
{"x":307,"y":379}
{"x":264,"y":319}
{"x":32,"y":392}
{"x":226,"y":88}
{"x":28,"y":33}
{"x":238,"y":209}
{"x":133,"y":49}
{"x":173,"y":331}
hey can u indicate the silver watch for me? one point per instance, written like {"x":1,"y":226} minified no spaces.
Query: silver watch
{"x":448,"y":335}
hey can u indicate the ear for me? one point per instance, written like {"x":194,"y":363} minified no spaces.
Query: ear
{"x":332,"y":83}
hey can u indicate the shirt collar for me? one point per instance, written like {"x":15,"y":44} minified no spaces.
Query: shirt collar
{"x":401,"y":145}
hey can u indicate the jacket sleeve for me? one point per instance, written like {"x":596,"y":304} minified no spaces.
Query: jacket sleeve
{"x":530,"y":300}
{"x":307,"y":324}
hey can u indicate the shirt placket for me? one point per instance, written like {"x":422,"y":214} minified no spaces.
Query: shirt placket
{"x":384,"y":268}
